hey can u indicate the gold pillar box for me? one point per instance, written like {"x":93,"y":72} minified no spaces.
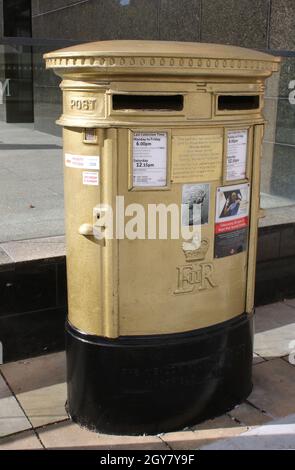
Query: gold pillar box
{"x":162,"y":146}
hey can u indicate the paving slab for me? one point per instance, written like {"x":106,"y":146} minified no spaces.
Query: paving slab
{"x":39,"y":223}
{"x":26,"y":440}
{"x":276,"y":435}
{"x":274,"y":384}
{"x":290,"y":302}
{"x":31,"y":183}
{"x":68,"y":435}
{"x":257,"y":359}
{"x":12,"y":417}
{"x":274,"y":330}
{"x":181,"y":440}
{"x":247,"y":415}
{"x":214,"y":429}
{"x":34,"y":249}
{"x":290,"y":358}
{"x":5,"y":260}
{"x":39,"y":385}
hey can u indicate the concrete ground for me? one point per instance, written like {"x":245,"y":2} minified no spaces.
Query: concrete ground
{"x":31,"y":183}
{"x":33,"y":394}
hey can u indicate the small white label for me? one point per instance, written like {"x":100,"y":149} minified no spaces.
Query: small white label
{"x":150,"y":159}
{"x":86,"y":162}
{"x":236,"y":155}
{"x":90,"y":135}
{"x":91,"y":178}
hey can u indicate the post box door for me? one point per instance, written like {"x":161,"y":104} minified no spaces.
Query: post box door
{"x":165,"y":285}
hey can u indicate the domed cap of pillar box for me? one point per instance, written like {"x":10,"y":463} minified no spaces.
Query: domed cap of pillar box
{"x":159,"y":58}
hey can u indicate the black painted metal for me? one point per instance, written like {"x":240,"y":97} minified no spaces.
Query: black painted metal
{"x":152,"y":384}
{"x":33,"y":307}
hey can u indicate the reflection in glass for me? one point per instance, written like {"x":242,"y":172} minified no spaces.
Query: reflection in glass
{"x":278,"y":162}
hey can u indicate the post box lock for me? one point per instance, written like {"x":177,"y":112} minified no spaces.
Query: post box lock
{"x":97,"y":228}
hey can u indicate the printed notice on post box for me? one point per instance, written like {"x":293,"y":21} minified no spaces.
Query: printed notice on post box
{"x":196,"y":158}
{"x":150,"y":159}
{"x":91,"y":178}
{"x":236,"y":160}
{"x":231,"y":220}
{"x":86,"y":162}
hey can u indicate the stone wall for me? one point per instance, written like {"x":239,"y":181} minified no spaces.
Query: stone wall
{"x":249,"y":23}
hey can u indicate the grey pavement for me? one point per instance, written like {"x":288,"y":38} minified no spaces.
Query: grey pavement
{"x":31,"y":183}
{"x":276,"y":435}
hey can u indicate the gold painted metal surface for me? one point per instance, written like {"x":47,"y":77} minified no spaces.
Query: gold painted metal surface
{"x":156,"y":57}
{"x":135,"y":287}
{"x":255,"y":214}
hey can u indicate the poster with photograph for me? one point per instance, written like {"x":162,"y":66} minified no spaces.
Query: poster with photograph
{"x":195,"y":204}
{"x":231,"y":220}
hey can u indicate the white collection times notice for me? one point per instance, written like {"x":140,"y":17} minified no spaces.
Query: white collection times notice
{"x":150,"y":159}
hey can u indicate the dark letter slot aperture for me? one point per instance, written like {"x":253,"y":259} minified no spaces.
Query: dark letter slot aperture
{"x":148,"y":102}
{"x":237,"y":102}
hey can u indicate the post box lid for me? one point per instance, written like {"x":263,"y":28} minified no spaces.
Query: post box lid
{"x":137,"y":57}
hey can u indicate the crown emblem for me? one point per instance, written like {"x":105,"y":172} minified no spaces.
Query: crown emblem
{"x":194,"y":250}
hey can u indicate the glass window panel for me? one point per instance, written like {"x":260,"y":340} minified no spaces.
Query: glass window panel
{"x":31,"y":171}
{"x":278,"y":156}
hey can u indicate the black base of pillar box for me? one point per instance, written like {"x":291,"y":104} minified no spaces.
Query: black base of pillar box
{"x":154,"y":384}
